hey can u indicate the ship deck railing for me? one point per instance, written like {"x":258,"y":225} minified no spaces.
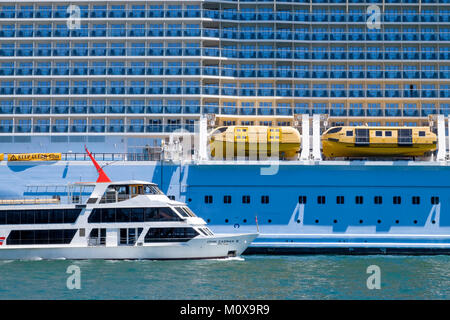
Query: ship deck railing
{"x":26,"y":201}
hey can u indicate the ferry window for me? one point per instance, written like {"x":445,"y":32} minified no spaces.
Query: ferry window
{"x":182,"y":211}
{"x":26,"y":237}
{"x":349,"y":133}
{"x":170,"y":234}
{"x":137,"y":214}
{"x":302,"y":199}
{"x":379,"y":133}
{"x":397,"y":200}
{"x":434,"y":200}
{"x":245,"y":199}
{"x":226,"y":199}
{"x":340,"y":199}
{"x":150,"y":189}
{"x":39,"y":216}
{"x":388,"y":133}
{"x":265,"y":199}
{"x":421,"y":133}
{"x":359,"y":199}
{"x":378,"y":200}
{"x":416,"y":200}
{"x":321,"y":199}
{"x":208,"y":199}
{"x":202,"y":231}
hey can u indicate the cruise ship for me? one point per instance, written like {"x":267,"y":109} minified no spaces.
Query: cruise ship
{"x":145,"y":83}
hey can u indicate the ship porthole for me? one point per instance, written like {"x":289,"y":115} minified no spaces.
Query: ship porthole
{"x":334,"y":221}
{"x":189,"y":200}
{"x":396,"y":221}
{"x":415,"y":221}
{"x":379,"y":221}
{"x":269,"y":221}
{"x":298,"y":221}
{"x":245,"y":220}
{"x":317,"y":221}
{"x":433,"y":222}
{"x":360,"y":221}
{"x":236,"y":226}
{"x":226,"y":220}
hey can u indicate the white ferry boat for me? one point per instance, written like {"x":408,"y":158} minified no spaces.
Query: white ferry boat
{"x":108,"y":220}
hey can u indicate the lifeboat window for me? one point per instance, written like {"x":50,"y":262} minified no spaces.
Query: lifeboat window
{"x":334,"y":130}
{"x":388,"y":133}
{"x":378,"y":200}
{"x":245,"y":199}
{"x":397,"y":200}
{"x":349,"y":133}
{"x":434,"y":200}
{"x":379,"y":133}
{"x":421,"y":133}
{"x":208,"y":199}
{"x":416,"y":200}
{"x":226,"y":199}
{"x":321,"y":199}
{"x":359,"y":199}
{"x":302,"y":199}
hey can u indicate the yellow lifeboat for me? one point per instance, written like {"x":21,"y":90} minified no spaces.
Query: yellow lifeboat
{"x":257,"y":141}
{"x":364,"y":141}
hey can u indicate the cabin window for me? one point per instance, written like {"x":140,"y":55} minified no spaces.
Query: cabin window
{"x":421,"y":133}
{"x":171,"y":197}
{"x":378,"y":200}
{"x":349,"y":133}
{"x":245,"y":199}
{"x":379,"y":133}
{"x":302,"y":199}
{"x":113,"y":215}
{"x":340,"y":199}
{"x":359,"y":199}
{"x":26,"y":237}
{"x":397,"y":200}
{"x":97,"y":237}
{"x":170,"y":234}
{"x":39,"y":216}
{"x":321,"y":199}
{"x":388,"y":133}
{"x":226,"y":199}
{"x":415,"y":200}
{"x":434,"y":200}
{"x":265,"y":199}
{"x":129,"y":236}
{"x":185,"y":212}
{"x":208,"y":199}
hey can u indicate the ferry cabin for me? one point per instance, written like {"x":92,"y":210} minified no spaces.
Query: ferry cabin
{"x":125,"y":213}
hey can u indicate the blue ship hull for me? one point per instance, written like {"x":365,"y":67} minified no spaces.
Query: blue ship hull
{"x":299,"y":207}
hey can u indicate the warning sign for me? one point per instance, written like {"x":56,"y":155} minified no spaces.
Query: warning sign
{"x":34,"y":157}
{"x":2,"y":156}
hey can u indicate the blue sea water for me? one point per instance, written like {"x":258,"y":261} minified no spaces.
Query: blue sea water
{"x":253,"y":277}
